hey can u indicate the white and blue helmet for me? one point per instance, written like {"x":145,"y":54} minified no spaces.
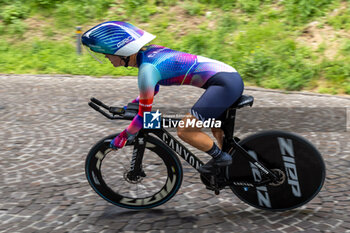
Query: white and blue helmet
{"x":116,"y":38}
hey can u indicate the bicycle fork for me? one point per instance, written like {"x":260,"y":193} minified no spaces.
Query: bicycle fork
{"x":136,"y":170}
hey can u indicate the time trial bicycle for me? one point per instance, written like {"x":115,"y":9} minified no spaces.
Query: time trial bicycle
{"x":271,"y":170}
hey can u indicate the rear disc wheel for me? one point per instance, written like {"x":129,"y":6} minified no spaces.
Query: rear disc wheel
{"x":293,"y":158}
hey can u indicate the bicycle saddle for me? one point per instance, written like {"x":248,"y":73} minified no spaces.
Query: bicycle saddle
{"x":244,"y":100}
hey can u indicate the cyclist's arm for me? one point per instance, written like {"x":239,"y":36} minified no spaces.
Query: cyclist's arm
{"x":147,"y":80}
{"x":156,"y":90}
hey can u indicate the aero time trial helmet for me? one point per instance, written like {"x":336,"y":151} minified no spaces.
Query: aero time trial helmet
{"x":116,"y":38}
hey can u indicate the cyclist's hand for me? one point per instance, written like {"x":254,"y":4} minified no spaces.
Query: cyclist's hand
{"x":119,"y":141}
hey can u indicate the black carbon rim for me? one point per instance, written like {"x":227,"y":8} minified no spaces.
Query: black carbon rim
{"x":157,"y":193}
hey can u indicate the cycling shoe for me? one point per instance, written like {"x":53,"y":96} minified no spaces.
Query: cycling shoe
{"x":223,"y":160}
{"x":208,"y":167}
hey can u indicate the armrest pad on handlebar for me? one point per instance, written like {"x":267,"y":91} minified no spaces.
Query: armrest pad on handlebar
{"x":133,"y":106}
{"x":131,"y":111}
{"x":116,"y":110}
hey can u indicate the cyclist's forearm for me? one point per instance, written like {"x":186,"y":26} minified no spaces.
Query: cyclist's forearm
{"x":145,"y":105}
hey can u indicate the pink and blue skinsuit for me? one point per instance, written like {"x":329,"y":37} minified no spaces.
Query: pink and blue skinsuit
{"x":162,"y":66}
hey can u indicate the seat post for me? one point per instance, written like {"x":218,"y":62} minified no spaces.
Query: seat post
{"x":228,"y":127}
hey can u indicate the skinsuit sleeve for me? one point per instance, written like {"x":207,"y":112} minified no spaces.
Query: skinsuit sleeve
{"x":156,"y":90}
{"x":148,"y":78}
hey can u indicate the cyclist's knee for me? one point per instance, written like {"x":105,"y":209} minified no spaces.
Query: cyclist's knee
{"x":184,"y":131}
{"x":181,"y":132}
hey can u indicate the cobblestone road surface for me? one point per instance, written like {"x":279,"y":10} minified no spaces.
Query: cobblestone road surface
{"x":47,"y":128}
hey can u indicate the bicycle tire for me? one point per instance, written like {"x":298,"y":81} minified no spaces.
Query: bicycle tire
{"x":296,"y":157}
{"x":158,"y":157}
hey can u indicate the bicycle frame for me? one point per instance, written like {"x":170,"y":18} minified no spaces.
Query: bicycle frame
{"x":175,"y":145}
{"x":195,"y":162}
{"x":229,"y":143}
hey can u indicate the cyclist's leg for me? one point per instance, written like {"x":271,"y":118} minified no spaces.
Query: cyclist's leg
{"x":194,"y":136}
{"x":222,"y":91}
{"x":218,"y":135}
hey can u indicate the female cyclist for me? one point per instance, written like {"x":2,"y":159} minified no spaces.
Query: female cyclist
{"x":124,"y":45}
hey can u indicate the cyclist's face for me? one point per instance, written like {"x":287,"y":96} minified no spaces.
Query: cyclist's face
{"x":115,"y":60}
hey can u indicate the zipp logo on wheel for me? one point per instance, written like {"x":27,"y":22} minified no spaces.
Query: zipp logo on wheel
{"x":261,"y":191}
{"x":287,"y":151}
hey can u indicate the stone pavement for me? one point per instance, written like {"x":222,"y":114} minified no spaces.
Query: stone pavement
{"x":47,"y":128}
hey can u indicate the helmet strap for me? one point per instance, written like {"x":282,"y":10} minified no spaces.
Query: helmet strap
{"x":126,"y":61}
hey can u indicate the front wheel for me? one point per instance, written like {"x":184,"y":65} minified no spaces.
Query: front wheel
{"x":108,"y":172}
{"x":292,"y":157}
